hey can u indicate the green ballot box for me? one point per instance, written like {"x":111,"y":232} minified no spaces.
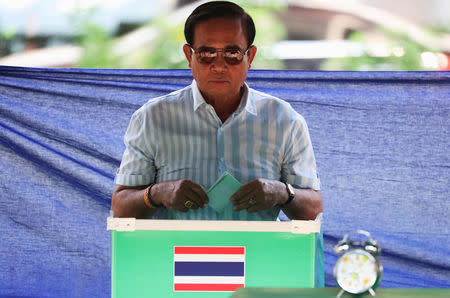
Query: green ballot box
{"x":190,"y":258}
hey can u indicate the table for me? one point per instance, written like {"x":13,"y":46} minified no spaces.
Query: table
{"x":332,"y":292}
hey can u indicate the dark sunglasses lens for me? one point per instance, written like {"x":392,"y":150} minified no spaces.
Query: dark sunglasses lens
{"x":206,"y":56}
{"x":232,"y":61}
{"x":206,"y":60}
{"x":231,"y":57}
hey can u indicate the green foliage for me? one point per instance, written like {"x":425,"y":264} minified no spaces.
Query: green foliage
{"x":165,"y":51}
{"x":97,"y":48}
{"x":269,"y":30}
{"x":93,"y":39}
{"x":8,"y":33}
{"x":408,"y":60}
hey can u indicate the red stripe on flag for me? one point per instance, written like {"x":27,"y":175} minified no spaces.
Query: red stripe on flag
{"x":208,"y":287}
{"x":209,"y":250}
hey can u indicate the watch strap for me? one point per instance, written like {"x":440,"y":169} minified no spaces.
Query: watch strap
{"x":291,"y":193}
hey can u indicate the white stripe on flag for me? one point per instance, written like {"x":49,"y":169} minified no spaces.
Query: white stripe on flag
{"x":209,"y":280}
{"x":208,"y":258}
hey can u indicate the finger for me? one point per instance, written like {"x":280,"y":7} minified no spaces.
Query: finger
{"x":244,"y":205}
{"x":190,"y":201}
{"x":201,"y":194}
{"x":184,"y":203}
{"x":189,"y":204}
{"x":242,"y":195}
{"x":192,"y":192}
{"x":198,"y":197}
{"x":182,"y":206}
{"x":241,"y":206}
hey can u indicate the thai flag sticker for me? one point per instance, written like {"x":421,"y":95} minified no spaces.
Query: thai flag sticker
{"x":211,"y":269}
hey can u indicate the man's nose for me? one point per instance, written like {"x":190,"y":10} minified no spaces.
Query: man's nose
{"x":219,"y":63}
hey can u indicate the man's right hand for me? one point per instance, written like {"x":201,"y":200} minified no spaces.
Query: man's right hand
{"x":180,"y":195}
{"x":128,"y":201}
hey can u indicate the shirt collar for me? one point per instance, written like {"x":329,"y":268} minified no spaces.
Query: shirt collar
{"x":245,"y":100}
{"x":198,"y":98}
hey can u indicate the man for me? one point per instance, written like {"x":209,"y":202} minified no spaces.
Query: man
{"x":178,"y":145}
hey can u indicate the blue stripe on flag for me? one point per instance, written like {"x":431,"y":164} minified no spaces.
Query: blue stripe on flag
{"x":209,"y":268}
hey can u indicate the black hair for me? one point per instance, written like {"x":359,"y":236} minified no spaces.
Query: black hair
{"x":219,"y":9}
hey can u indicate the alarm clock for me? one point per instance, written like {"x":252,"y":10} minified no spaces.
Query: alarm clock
{"x":358,"y":270}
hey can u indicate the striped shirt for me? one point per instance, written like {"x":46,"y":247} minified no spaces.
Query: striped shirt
{"x":180,"y":136}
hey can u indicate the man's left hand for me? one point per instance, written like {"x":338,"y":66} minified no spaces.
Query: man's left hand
{"x":259,"y":194}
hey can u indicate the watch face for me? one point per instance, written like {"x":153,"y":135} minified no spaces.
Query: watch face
{"x":356,"y":271}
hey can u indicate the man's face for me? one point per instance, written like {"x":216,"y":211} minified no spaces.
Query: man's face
{"x":219,"y":80}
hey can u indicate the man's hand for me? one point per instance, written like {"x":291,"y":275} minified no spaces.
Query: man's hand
{"x":259,"y":194}
{"x":180,"y":195}
{"x":262,"y":194}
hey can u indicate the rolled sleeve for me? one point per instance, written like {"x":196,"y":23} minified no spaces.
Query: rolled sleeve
{"x":304,"y":182}
{"x":137,"y":166}
{"x":299,"y":167}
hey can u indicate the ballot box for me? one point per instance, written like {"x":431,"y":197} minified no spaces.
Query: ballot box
{"x":198,"y":258}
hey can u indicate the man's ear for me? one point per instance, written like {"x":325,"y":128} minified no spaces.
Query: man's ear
{"x":187,"y":53}
{"x":251,"y":55}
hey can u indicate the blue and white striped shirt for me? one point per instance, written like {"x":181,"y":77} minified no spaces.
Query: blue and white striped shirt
{"x":180,"y":136}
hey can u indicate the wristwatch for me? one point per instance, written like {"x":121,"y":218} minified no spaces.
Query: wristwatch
{"x":291,"y":193}
{"x":358,"y":270}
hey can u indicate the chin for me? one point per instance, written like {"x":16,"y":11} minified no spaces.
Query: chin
{"x":218,"y":95}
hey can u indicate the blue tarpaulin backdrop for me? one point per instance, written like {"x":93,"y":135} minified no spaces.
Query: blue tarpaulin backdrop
{"x":381,"y":141}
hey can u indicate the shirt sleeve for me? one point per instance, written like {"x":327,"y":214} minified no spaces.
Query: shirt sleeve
{"x":137,"y":166}
{"x":299,"y":166}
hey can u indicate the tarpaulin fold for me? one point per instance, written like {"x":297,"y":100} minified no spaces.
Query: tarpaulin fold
{"x":381,"y":141}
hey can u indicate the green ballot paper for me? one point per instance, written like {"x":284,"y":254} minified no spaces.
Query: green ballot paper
{"x":219,"y":194}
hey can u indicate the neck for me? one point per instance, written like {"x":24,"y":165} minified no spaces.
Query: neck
{"x":225,"y":106}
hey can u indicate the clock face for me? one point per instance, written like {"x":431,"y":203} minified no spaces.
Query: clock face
{"x":356,"y":271}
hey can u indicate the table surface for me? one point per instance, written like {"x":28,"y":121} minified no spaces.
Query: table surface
{"x":332,"y":292}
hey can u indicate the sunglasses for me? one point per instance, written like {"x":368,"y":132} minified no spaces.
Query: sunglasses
{"x":207,"y":55}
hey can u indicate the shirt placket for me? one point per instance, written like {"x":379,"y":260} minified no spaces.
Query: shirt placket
{"x":220,"y":142}
{"x":221,"y":137}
